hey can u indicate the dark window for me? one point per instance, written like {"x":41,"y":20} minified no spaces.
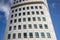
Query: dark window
{"x":11,"y":21}
{"x":19,"y":35}
{"x":31,"y":35}
{"x":24,"y":19}
{"x":27,"y":8}
{"x":15,"y":10}
{"x":24,"y":26}
{"x":28,"y":13}
{"x":40,"y":26}
{"x":46,"y":27}
{"x":25,"y":35}
{"x":16,"y":1}
{"x":19,"y":26}
{"x":31,"y":7}
{"x":42,"y":12}
{"x":44,"y":19}
{"x":37,"y":34}
{"x":30,"y":26}
{"x":48,"y":35}
{"x":23,"y":8}
{"x":29,"y":19}
{"x":10,"y":28}
{"x":15,"y":15}
{"x":11,"y":16}
{"x":13,"y":2}
{"x":19,"y":14}
{"x":36,"y":7}
{"x":40,"y":7}
{"x":35,"y":26}
{"x":39,"y":19}
{"x":14,"y":27}
{"x":42,"y":35}
{"x":19,"y":9}
{"x":34,"y":19}
{"x":23,"y":13}
{"x":15,"y":20}
{"x":19,"y":20}
{"x":9,"y":36}
{"x":14,"y":35}
{"x":33,"y":13}
{"x":12,"y":11}
{"x":37,"y":12}
{"x":19,"y":0}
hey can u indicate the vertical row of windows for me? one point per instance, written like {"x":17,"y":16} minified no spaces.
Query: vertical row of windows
{"x":30,"y":35}
{"x":29,"y":26}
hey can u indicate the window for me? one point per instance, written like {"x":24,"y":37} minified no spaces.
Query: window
{"x":37,"y":12}
{"x":15,"y":10}
{"x":31,"y":7}
{"x":12,"y":11}
{"x":19,"y":35}
{"x":35,"y":26}
{"x":31,"y":35}
{"x":27,"y":8}
{"x":48,"y":35}
{"x":42,"y":12}
{"x":24,"y":19}
{"x":19,"y":9}
{"x":14,"y":35}
{"x":36,"y":7}
{"x":37,"y":34}
{"x":23,"y":8}
{"x":19,"y":20}
{"x":9,"y":36}
{"x":11,"y":16}
{"x":15,"y":20}
{"x":16,"y":1}
{"x":40,"y":7}
{"x":29,"y":19}
{"x":24,"y":26}
{"x":15,"y":15}
{"x":11,"y":21}
{"x":19,"y":0}
{"x":44,"y":19}
{"x":30,"y":26}
{"x":33,"y":13}
{"x":28,"y":13}
{"x":46,"y":27}
{"x":23,"y":13}
{"x":19,"y":14}
{"x":13,"y":2}
{"x":34,"y":19}
{"x":42,"y":35}
{"x":10,"y":28}
{"x":40,"y":26}
{"x":39,"y":19}
{"x":14,"y":27}
{"x":25,"y":35}
{"x":19,"y":26}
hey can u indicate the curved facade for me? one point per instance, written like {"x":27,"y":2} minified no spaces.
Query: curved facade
{"x":29,"y":20}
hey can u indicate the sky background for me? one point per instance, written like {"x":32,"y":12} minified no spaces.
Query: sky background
{"x":54,"y":8}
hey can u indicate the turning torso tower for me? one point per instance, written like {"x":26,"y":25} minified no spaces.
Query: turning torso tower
{"x":29,"y":20}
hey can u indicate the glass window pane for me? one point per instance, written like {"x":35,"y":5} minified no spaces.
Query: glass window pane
{"x":24,"y":26}
{"x":39,"y":19}
{"x":19,"y":35}
{"x":48,"y":35}
{"x":19,"y":26}
{"x":44,"y":19}
{"x":9,"y":36}
{"x":40,"y":26}
{"x":14,"y":35}
{"x":10,"y":28}
{"x":31,"y":35}
{"x":37,"y":34}
{"x":30,"y":26}
{"x":35,"y":26}
{"x":45,"y":25}
{"x":25,"y":35}
{"x":42,"y":35}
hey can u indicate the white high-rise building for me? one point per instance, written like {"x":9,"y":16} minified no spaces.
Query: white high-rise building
{"x":29,"y":20}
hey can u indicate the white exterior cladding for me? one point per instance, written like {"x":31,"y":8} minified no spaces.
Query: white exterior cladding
{"x":32,"y":30}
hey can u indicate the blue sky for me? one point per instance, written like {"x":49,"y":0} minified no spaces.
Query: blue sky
{"x":54,"y":8}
